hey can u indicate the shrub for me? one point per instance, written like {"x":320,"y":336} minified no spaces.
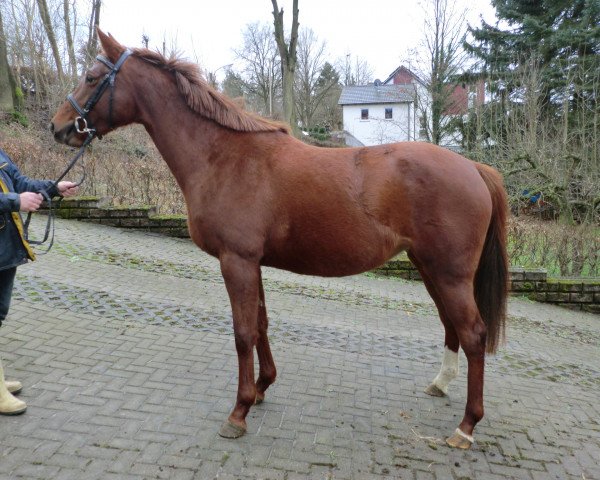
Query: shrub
{"x":18,"y":117}
{"x":125,"y":165}
{"x":564,"y":250}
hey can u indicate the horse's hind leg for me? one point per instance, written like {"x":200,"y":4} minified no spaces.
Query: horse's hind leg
{"x":449,"y":369}
{"x":453,"y":293}
{"x":242,"y":278}
{"x":461,"y":310}
{"x":267,"y":371}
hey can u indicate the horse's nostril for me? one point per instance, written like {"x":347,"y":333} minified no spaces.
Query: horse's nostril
{"x":52,"y":127}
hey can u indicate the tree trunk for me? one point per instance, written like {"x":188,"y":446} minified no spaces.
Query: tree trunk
{"x":69,"y":38}
{"x":288,"y":60}
{"x":92,"y":46}
{"x":6,"y":82}
{"x":45,"y":15}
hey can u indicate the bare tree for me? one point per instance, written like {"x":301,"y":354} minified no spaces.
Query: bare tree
{"x":16,"y":55}
{"x":47,"y":22}
{"x":69,"y":40}
{"x":261,"y":72}
{"x":27,"y":44}
{"x":310,"y":87}
{"x":92,"y":42}
{"x":354,"y":71}
{"x":287,"y":53}
{"x":439,"y":62}
{"x":552,"y":161}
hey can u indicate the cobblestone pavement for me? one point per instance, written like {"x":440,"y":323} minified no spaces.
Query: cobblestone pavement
{"x":124,"y":346}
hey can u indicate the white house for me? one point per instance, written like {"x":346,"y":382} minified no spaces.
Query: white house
{"x":375,"y":114}
{"x":399,"y":109}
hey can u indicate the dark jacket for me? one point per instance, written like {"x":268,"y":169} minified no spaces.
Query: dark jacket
{"x":14,"y":249}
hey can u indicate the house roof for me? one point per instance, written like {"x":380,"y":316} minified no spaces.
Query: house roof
{"x":404,"y":72}
{"x":372,"y":94}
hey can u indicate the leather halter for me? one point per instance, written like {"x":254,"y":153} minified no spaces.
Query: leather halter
{"x":81,"y":122}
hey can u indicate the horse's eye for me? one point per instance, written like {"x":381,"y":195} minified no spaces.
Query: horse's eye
{"x":89,"y":79}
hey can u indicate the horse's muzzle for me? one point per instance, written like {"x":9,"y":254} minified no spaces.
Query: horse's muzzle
{"x":66,"y":135}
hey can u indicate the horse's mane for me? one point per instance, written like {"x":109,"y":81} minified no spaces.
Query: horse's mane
{"x":205,"y":100}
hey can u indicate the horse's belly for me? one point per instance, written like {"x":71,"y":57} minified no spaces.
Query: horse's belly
{"x":334,"y":255}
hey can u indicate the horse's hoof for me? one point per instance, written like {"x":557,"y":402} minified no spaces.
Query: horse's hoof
{"x":460,"y":440}
{"x":230,"y":430}
{"x":434,"y":391}
{"x":260,"y":397}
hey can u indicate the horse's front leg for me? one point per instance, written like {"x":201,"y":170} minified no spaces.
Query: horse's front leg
{"x":242,"y":278}
{"x":267,"y":371}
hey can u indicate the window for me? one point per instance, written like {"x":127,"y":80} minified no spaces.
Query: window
{"x":388,"y":113}
{"x":364,"y":114}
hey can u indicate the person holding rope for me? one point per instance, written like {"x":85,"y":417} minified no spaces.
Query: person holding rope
{"x":18,"y":193}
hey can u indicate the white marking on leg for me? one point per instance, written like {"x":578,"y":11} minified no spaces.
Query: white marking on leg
{"x":448,"y":371}
{"x":462,"y":434}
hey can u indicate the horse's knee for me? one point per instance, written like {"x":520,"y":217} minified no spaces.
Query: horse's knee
{"x":245,"y":340}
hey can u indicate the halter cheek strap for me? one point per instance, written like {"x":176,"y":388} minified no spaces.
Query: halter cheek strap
{"x":82,"y":124}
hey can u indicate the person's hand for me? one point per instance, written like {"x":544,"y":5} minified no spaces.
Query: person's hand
{"x":67,"y":189}
{"x":30,"y":201}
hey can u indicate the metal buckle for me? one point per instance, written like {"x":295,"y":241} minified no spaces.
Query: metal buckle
{"x":81,"y":126}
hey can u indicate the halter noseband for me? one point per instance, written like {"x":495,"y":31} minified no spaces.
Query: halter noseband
{"x":81,"y":122}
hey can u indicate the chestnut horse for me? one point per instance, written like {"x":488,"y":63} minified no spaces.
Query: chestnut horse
{"x":256,"y":196}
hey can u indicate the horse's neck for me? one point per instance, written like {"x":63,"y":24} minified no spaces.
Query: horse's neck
{"x":184,"y":139}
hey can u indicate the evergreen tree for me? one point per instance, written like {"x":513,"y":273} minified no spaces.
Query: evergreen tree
{"x":329,"y":113}
{"x":560,"y":36}
{"x":541,"y":63}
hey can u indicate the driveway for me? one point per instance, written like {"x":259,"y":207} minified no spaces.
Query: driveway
{"x":123,"y":342}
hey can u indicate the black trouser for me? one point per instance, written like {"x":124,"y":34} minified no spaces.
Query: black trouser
{"x":7,"y":278}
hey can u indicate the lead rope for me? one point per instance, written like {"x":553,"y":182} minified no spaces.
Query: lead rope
{"x":49,"y":230}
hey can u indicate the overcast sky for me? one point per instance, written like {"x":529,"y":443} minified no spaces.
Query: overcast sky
{"x":207,"y":31}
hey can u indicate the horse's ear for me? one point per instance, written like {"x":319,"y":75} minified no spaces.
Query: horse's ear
{"x":112,"y":49}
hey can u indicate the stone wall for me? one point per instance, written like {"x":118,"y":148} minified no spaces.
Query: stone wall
{"x":575,"y":293}
{"x":143,"y":217}
{"x":580,"y":294}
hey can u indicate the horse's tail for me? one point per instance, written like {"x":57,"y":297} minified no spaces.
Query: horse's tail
{"x":491,"y":278}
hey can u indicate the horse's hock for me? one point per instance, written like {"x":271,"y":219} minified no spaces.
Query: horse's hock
{"x":579,"y":294}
